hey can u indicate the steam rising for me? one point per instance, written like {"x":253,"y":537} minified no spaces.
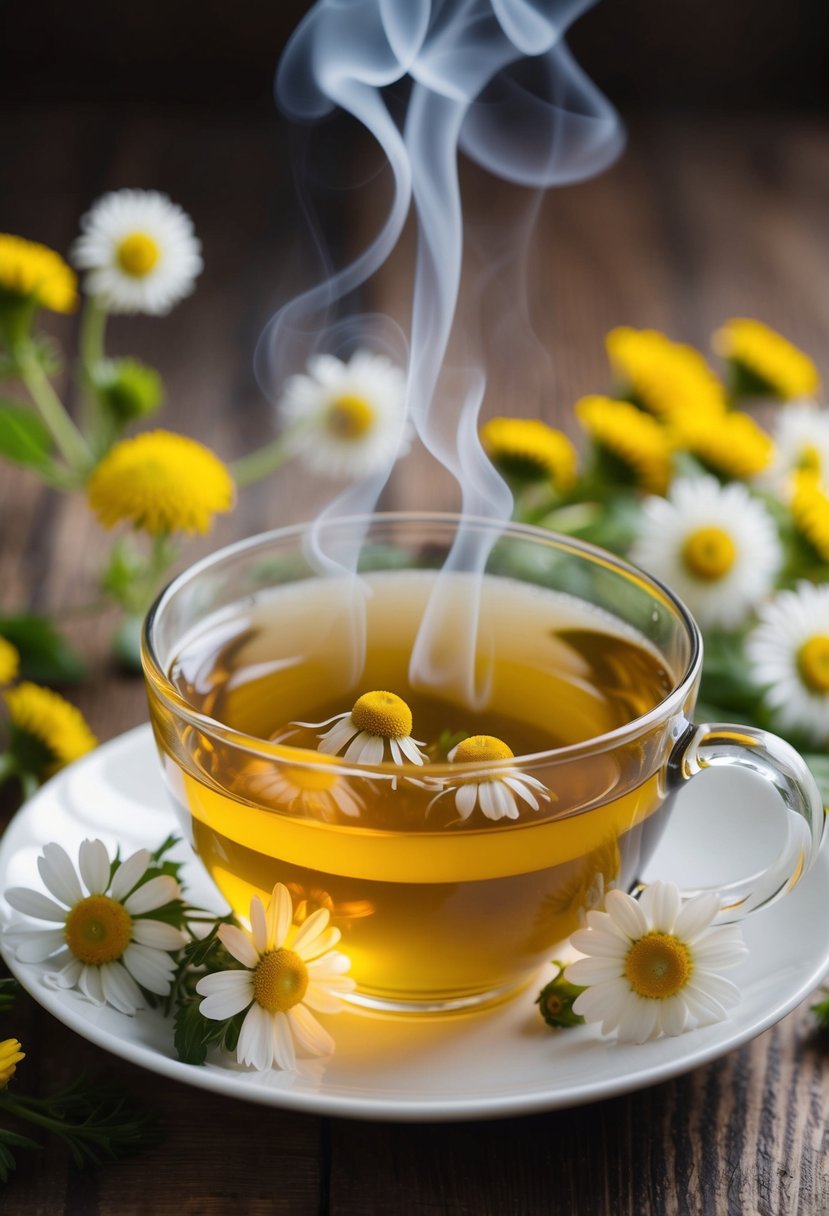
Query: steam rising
{"x":494,"y":79}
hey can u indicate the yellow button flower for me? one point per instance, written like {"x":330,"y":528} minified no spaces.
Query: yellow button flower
{"x":810,"y":511}
{"x":32,"y":271}
{"x":772,"y":364}
{"x":668,"y":378}
{"x":9,"y":662}
{"x":47,"y":732}
{"x":162,"y":483}
{"x":732,"y":445}
{"x":635,"y":441}
{"x":528,"y":450}
{"x":10,"y":1057}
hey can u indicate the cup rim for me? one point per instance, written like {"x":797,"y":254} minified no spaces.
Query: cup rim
{"x":265,"y":749}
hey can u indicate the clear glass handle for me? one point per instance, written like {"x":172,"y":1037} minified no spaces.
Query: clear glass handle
{"x":716,"y":744}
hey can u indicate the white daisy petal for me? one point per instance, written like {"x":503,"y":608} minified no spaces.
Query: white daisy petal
{"x":280,"y":915}
{"x":627,"y":914}
{"x":90,"y":983}
{"x":638,"y":1021}
{"x":120,"y":989}
{"x":258,"y":925}
{"x":466,"y":799}
{"x":328,"y":965}
{"x":152,"y":969}
{"x":599,"y":943}
{"x":157,"y":934}
{"x":410,"y":750}
{"x":239,"y":945}
{"x":153,"y":894}
{"x":39,"y":945}
{"x":93,"y":863}
{"x":67,"y":977}
{"x":322,"y":997}
{"x":308,"y":932}
{"x":283,"y":1044}
{"x":128,"y":874}
{"x":230,"y":996}
{"x":673,"y":1016}
{"x":311,"y":1037}
{"x":695,"y":916}
{"x":594,"y":970}
{"x":660,"y":901}
{"x":32,"y":903}
{"x":255,"y":1047}
{"x":58,"y":874}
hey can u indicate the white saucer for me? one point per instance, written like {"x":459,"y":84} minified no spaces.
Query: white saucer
{"x":484,"y":1065}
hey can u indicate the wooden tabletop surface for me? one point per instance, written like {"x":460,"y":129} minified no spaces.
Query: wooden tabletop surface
{"x":702,"y":219}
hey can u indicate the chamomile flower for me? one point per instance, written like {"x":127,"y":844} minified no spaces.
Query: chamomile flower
{"x":106,"y":942}
{"x":286,"y":972}
{"x":497,"y":796}
{"x":317,"y":788}
{"x":160,"y":482}
{"x":346,"y":419}
{"x":378,"y":727}
{"x":715,"y":546}
{"x":140,"y":250}
{"x":768,"y":362}
{"x":652,"y":965}
{"x":789,"y":656}
{"x":801,"y":436}
{"x":527,"y":450}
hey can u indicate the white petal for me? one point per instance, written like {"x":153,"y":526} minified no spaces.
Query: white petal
{"x":466,"y":798}
{"x":120,"y":989}
{"x":333,"y":963}
{"x":716,"y":954}
{"x":322,"y":998}
{"x":154,"y":894}
{"x":255,"y":1047}
{"x":702,"y":1007}
{"x":695,"y":917}
{"x":283,"y":1043}
{"x":222,"y":1000}
{"x":156,"y":933}
{"x":312,"y":1038}
{"x":717,"y":987}
{"x":587,"y":971}
{"x":366,"y":749}
{"x":595,"y":1003}
{"x":23,"y":899}
{"x":660,"y":901}
{"x":305,"y":942}
{"x":627,"y":915}
{"x":90,"y":983}
{"x":280,"y":915}
{"x":410,"y":750}
{"x":325,"y":941}
{"x":258,"y":925}
{"x":152,"y":969}
{"x":39,"y":945}
{"x":238,"y":943}
{"x":673,"y":1015}
{"x":128,"y":874}
{"x":520,"y":788}
{"x":490,"y":805}
{"x":639,"y":1021}
{"x":599,"y":944}
{"x":59,"y":874}
{"x":93,"y":863}
{"x":334,"y":740}
{"x":67,"y":977}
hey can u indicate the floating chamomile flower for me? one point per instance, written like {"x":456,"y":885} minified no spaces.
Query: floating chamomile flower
{"x":652,"y":965}
{"x":715,"y":546}
{"x":286,"y":972}
{"x":498,"y":795}
{"x":315,"y":788}
{"x":140,"y":250}
{"x":107,"y":942}
{"x":378,"y":727}
{"x":789,"y":656}
{"x":346,"y":419}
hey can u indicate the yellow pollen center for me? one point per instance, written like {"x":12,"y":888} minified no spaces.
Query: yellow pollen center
{"x":382,"y":713}
{"x":349,"y":417}
{"x":279,"y":981}
{"x":709,"y":553}
{"x":813,"y":663}
{"x":137,"y":254}
{"x":98,"y":930}
{"x":808,"y":459}
{"x":481,"y":747}
{"x":658,"y":966}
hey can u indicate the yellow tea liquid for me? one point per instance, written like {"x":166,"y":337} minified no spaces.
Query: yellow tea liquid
{"x":433,"y":909}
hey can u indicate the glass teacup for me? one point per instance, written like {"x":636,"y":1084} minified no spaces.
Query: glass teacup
{"x":552,"y":712}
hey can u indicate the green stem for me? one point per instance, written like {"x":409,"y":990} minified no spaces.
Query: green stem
{"x":8,"y":767}
{"x":67,"y":437}
{"x":91,"y":356}
{"x":261,"y":463}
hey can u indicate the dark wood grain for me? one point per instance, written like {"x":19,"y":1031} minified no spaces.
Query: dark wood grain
{"x":701,"y":220}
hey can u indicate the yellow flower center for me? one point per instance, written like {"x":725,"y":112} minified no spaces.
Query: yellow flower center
{"x":137,"y":254}
{"x":98,"y":930}
{"x":813,"y":663}
{"x":709,"y":553}
{"x":279,"y":981}
{"x":658,"y":966}
{"x":808,"y":459}
{"x":382,"y":713}
{"x":482,"y":747}
{"x":349,"y":417}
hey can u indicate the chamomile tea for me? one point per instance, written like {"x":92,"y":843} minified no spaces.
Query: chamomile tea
{"x":450,"y":882}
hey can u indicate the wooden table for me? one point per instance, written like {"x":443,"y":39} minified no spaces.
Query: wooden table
{"x":702,"y":219}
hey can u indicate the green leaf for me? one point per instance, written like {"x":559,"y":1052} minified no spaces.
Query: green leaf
{"x":23,"y":437}
{"x":45,"y":656}
{"x":8,"y":1141}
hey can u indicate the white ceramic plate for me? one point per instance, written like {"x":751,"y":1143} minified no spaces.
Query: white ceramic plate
{"x":485,"y":1065}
